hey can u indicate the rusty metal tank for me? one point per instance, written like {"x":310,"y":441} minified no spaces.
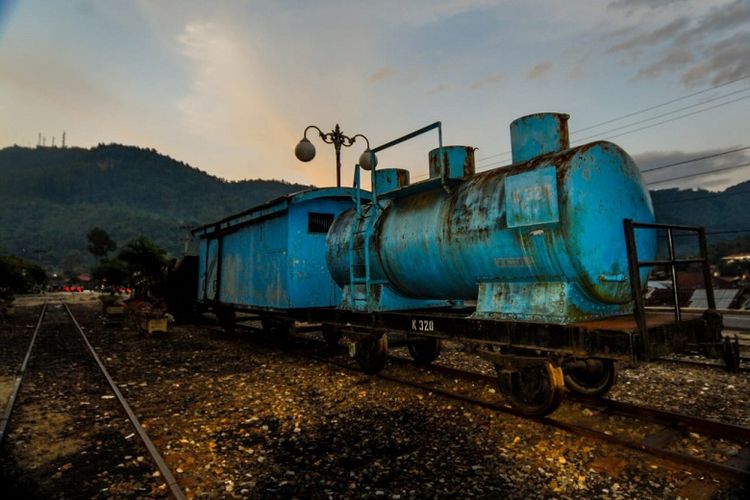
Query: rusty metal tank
{"x":539,"y":240}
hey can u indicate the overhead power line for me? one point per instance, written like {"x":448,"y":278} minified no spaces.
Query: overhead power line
{"x":657,"y":106}
{"x":699,"y":174}
{"x":638,"y":112}
{"x":709,"y":108}
{"x":684,"y":108}
{"x":704,"y":197}
{"x":677,"y":118}
{"x":677,"y":163}
{"x":694,"y":159}
{"x":493,"y":156}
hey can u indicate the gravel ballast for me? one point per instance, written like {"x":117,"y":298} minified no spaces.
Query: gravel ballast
{"x":238,"y":418}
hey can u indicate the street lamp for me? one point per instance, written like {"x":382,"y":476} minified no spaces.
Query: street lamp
{"x":305,"y":151}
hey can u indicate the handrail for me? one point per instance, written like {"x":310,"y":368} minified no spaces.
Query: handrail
{"x":635,"y":265}
{"x":404,"y":138}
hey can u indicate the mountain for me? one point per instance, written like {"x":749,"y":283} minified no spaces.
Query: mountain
{"x":724,"y":214}
{"x":51,"y":197}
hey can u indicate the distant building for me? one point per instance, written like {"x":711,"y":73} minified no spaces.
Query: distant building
{"x":737,"y":257}
{"x":728,"y":294}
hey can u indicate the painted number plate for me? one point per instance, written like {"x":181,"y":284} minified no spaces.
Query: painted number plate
{"x":422,"y":325}
{"x":531,"y":197}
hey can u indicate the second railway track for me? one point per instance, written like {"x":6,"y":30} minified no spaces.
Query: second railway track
{"x":64,"y":392}
{"x":253,"y":391}
{"x":687,"y":441}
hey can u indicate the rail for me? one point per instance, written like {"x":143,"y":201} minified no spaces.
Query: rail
{"x":19,"y":376}
{"x":735,"y":312}
{"x":155,"y":455}
{"x":657,"y":444}
{"x":673,"y":424}
{"x":163,"y":468}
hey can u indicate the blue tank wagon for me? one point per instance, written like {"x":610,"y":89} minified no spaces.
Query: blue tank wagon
{"x":541,"y":263}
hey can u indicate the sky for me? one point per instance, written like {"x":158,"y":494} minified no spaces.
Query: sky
{"x":229,"y":86}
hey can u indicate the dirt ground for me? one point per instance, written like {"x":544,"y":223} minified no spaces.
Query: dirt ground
{"x":234,"y":417}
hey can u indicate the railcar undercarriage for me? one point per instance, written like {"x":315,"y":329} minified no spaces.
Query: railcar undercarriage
{"x":535,"y":362}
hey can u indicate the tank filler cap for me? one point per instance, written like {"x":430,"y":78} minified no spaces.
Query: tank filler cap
{"x":390,"y":179}
{"x":458,"y":160}
{"x":538,"y":134}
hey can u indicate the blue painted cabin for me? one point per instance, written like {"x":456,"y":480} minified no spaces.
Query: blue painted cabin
{"x":272,"y":256}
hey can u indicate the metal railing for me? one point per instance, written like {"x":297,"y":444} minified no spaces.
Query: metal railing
{"x":635,"y":265}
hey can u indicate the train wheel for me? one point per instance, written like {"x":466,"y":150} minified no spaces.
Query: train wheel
{"x":227,"y":319}
{"x":331,"y":335}
{"x":371,"y":354}
{"x":535,"y":390}
{"x":424,"y":351}
{"x":595,"y":380}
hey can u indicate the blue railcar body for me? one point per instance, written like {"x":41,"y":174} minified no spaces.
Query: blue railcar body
{"x":273,"y":256}
{"x":538,"y":264}
{"x":541,"y":240}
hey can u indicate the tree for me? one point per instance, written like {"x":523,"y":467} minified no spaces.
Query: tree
{"x":71,"y":264}
{"x":112,"y":271}
{"x":146,"y":264}
{"x":100,"y":244}
{"x":19,"y":275}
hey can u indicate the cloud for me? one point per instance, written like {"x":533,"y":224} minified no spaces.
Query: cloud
{"x":231,"y":111}
{"x":539,"y":70}
{"x":666,"y":32}
{"x":434,"y":11}
{"x":382,"y":74}
{"x":632,"y":5}
{"x":439,"y":89}
{"x":704,"y":179}
{"x":488,"y":80}
{"x":689,"y":46}
{"x":723,"y":62}
{"x":719,"y":19}
{"x":674,"y":59}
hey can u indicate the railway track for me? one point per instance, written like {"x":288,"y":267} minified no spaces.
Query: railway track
{"x":63,"y":351}
{"x":671,"y":436}
{"x":664,"y":428}
{"x":744,"y":366}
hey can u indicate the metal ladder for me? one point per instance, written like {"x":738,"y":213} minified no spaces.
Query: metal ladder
{"x":367,"y":221}
{"x":359,"y":272}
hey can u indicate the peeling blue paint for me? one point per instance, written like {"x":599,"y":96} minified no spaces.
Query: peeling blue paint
{"x":273,"y":256}
{"x":541,"y":240}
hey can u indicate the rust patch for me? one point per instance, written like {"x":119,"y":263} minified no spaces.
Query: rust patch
{"x":402,"y":177}
{"x":562,"y":131}
{"x":469,"y":165}
{"x":612,"y":465}
{"x":697,"y":489}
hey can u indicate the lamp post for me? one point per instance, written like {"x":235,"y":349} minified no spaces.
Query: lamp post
{"x":305,"y":151}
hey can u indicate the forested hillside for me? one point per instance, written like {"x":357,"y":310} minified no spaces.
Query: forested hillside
{"x":722,"y":211}
{"x":51,"y":197}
